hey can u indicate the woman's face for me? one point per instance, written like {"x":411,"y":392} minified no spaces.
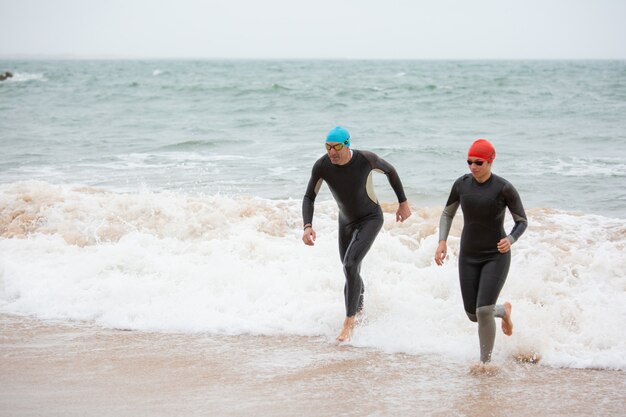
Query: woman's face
{"x":480,"y":168}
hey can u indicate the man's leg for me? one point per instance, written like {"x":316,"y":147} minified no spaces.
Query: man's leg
{"x":362,"y":239}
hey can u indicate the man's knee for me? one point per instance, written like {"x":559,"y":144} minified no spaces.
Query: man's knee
{"x":351,"y":268}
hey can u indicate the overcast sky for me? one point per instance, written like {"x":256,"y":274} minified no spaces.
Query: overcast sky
{"x":402,"y":29}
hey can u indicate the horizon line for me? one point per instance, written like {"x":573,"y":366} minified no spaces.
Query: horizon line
{"x":104,"y":57}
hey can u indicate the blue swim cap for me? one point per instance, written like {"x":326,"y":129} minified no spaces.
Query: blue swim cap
{"x":339,"y":134}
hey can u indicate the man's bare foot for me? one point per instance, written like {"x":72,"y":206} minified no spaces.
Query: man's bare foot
{"x":346,"y":332}
{"x":360,"y":318}
{"x":507,"y":324}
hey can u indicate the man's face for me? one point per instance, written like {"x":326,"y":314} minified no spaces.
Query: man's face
{"x":338,"y":153}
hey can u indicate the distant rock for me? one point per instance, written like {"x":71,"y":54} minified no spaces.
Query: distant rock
{"x":5,"y":75}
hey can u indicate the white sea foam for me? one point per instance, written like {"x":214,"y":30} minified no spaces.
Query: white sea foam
{"x":26,"y":76}
{"x":170,"y":262}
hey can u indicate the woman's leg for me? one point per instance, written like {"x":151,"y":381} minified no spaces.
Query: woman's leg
{"x":492,"y":279}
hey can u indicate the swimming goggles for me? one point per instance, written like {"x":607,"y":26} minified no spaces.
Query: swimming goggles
{"x":336,"y":147}
{"x":478,"y":163}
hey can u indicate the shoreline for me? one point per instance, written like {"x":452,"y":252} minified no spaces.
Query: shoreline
{"x":72,"y":369}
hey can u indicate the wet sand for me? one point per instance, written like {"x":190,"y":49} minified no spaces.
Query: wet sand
{"x":75,"y":369}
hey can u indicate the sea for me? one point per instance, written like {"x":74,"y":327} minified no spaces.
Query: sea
{"x":164,"y":197}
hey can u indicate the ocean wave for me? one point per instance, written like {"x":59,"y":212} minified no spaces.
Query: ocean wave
{"x":279,"y":87}
{"x":241,"y":91}
{"x":164,"y":160}
{"x":585,"y":167}
{"x":170,"y":262}
{"x":190,"y":144}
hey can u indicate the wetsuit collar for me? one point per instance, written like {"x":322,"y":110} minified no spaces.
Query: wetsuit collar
{"x":487,"y":181}
{"x":350,"y":161}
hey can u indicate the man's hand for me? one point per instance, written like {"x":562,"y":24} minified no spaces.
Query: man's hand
{"x":308,"y":237}
{"x":404,"y":212}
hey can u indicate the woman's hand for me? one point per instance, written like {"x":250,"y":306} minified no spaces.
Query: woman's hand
{"x":441,"y":252}
{"x":504,"y":245}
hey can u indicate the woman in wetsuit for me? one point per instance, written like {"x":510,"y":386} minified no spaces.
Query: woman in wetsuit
{"x":348,"y":174}
{"x":484,"y":256}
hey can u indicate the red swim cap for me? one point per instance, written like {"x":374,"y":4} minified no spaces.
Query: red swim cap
{"x":481,"y":148}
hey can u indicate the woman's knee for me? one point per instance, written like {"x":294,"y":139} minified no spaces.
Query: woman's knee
{"x":485,"y":313}
{"x":471,"y":316}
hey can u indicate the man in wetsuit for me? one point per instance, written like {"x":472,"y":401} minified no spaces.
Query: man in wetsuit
{"x":484,"y":256}
{"x":348,"y":173}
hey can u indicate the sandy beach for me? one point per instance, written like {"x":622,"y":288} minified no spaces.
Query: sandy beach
{"x":76,"y":369}
{"x":153,"y":206}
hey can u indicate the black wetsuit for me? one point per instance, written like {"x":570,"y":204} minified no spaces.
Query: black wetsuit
{"x":360,"y":215}
{"x":482,"y":268}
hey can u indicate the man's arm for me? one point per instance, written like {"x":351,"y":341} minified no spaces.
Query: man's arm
{"x":308,"y":204}
{"x":379,"y":164}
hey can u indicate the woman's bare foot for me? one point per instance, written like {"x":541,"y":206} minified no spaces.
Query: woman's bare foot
{"x":346,"y":332}
{"x":507,"y":324}
{"x":528,"y":357}
{"x":486,"y":369}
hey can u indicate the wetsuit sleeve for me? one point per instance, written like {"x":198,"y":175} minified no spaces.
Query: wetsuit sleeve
{"x":308,"y":202}
{"x":514,"y":203}
{"x":386,"y":168}
{"x":452,"y":205}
